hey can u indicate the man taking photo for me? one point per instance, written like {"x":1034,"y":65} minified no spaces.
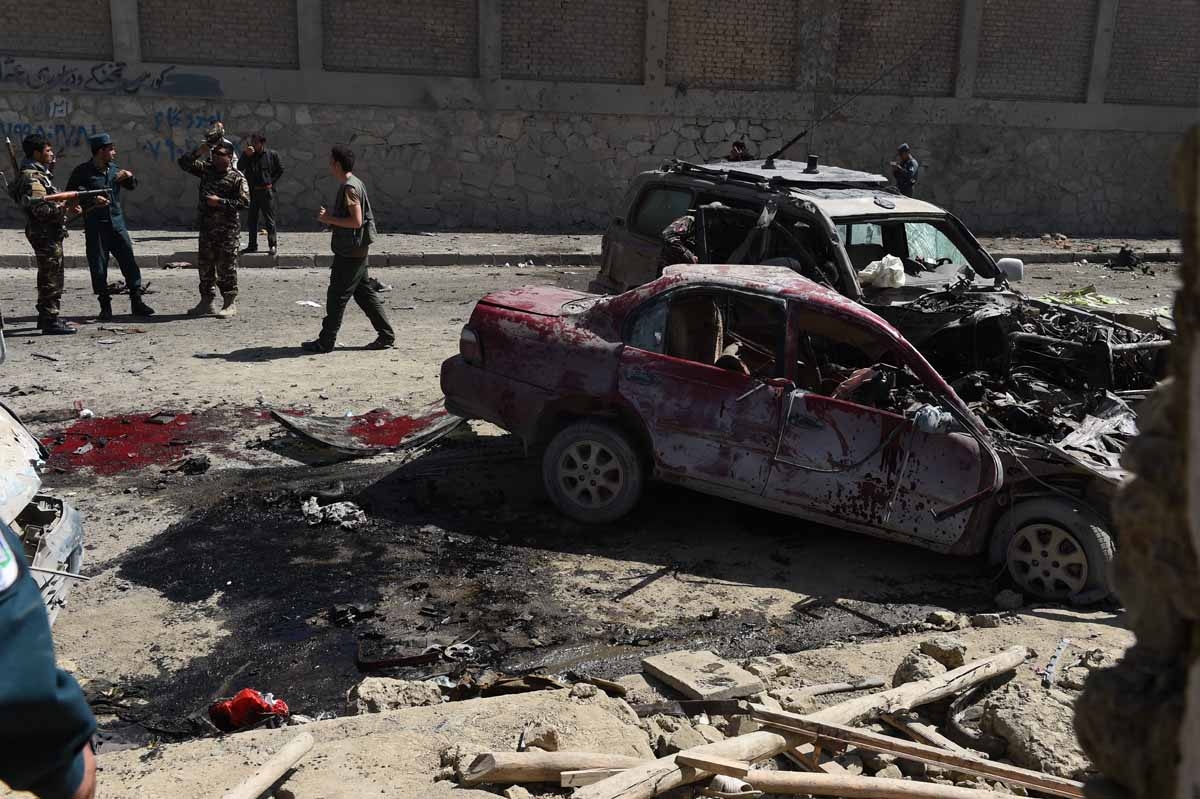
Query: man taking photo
{"x":262,"y":169}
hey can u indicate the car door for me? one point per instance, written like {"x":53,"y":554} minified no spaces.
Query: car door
{"x":865,"y":463}
{"x":713,"y":427}
{"x":633,"y":243}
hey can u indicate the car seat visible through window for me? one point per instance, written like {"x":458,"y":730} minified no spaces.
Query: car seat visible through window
{"x":695,"y":329}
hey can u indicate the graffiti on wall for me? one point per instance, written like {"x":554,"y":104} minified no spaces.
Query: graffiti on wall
{"x":61,"y":135}
{"x":106,"y":77}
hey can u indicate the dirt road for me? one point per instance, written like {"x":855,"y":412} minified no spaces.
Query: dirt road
{"x":210,"y":583}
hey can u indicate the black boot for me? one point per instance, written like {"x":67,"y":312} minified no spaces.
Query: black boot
{"x":55,"y":327}
{"x":106,"y":313}
{"x":138,"y":306}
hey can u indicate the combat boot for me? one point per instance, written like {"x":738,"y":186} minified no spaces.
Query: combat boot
{"x":203,"y":308}
{"x":228,"y":308}
{"x":138,"y":306}
{"x":55,"y":327}
{"x":106,"y":313}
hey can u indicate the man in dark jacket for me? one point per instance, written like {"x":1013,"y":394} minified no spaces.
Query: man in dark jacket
{"x":262,"y":169}
{"x":46,"y":725}
{"x":104,"y":224}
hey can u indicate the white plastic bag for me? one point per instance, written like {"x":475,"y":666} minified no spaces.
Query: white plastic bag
{"x":887,"y":273}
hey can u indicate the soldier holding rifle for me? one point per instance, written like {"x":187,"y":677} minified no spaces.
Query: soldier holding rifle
{"x":46,"y":214}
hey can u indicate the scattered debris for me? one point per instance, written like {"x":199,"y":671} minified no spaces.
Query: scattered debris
{"x":162,"y":417}
{"x":270,"y":774}
{"x":379,"y":694}
{"x":1086,"y":297}
{"x":346,"y":515}
{"x":377,"y":431}
{"x":308,"y":303}
{"x":1051,"y":671}
{"x":986,"y":620}
{"x":45,"y":357}
{"x":702,"y":675}
{"x":944,"y":620}
{"x":248,"y":708}
{"x":192,"y":465}
{"x":17,"y":391}
{"x":1127,"y":261}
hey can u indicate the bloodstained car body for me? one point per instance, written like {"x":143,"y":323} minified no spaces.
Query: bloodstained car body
{"x":756,"y":384}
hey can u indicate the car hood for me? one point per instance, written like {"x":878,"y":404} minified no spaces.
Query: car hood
{"x":21,"y":456}
{"x":540,"y":300}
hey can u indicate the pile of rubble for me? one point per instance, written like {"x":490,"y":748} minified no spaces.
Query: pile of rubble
{"x":945,"y":729}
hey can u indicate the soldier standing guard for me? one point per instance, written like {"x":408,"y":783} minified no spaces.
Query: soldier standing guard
{"x":104,"y":225}
{"x":45,"y":227}
{"x":223,"y":192}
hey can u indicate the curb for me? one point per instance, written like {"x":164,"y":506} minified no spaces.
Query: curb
{"x":1070,"y":257}
{"x":323,"y":260}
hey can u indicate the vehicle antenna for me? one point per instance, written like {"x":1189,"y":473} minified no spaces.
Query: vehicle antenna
{"x":769,"y":162}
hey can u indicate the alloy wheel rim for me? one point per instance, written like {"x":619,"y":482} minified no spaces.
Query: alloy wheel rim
{"x":590,"y":474}
{"x":1046,"y":560}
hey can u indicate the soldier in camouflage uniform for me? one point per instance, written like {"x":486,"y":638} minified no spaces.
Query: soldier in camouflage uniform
{"x":45,"y":227}
{"x":679,"y":243}
{"x":223,"y":192}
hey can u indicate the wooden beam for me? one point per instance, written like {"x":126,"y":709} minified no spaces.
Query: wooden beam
{"x":921,"y":753}
{"x":715,"y":764}
{"x":520,"y":767}
{"x":578,"y":779}
{"x":924,"y":733}
{"x":849,"y":787}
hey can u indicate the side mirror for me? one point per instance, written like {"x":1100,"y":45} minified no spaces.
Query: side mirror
{"x":1013,"y":269}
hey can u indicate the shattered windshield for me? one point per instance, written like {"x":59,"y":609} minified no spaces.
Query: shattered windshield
{"x":935,"y":247}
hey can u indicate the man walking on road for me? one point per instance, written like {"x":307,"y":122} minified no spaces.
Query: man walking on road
{"x":104,"y":224}
{"x":45,"y":227}
{"x":223,"y":192}
{"x":262,"y":169}
{"x":353,"y":226}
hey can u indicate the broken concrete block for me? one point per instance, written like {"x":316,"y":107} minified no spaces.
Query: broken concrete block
{"x":947,"y":650}
{"x":985,"y":621}
{"x":583,"y":690}
{"x":944,"y":620}
{"x":685,"y":737}
{"x":891,"y":772}
{"x":710,"y":733}
{"x":642,"y":691}
{"x":702,"y":675}
{"x":916,"y":666}
{"x":766,"y":700}
{"x":543,"y":736}
{"x":517,"y":792}
{"x":377,"y":694}
{"x":769,"y":668}
{"x":1009,"y":600}
{"x":740,"y":725}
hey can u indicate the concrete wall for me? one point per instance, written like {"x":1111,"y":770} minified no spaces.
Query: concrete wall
{"x":535,"y":113}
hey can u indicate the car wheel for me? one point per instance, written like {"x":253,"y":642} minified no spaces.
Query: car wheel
{"x":1056,"y":549}
{"x":592,"y":473}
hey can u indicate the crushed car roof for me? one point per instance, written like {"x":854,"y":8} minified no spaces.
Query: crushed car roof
{"x":840,"y":203}
{"x":778,"y":280}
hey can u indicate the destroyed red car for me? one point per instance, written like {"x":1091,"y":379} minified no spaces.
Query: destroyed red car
{"x":758,"y":385}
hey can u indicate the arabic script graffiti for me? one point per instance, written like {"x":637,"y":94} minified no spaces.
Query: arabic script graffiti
{"x":107,"y":76}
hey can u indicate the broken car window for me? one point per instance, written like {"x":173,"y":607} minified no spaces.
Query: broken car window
{"x":739,"y":332}
{"x":658,"y":208}
{"x":927,"y":243}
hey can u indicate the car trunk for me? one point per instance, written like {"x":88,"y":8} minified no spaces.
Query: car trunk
{"x":539,"y":300}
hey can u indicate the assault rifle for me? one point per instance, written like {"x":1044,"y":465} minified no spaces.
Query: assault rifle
{"x":61,"y":197}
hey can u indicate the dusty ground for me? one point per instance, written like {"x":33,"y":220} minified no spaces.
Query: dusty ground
{"x":210,"y":583}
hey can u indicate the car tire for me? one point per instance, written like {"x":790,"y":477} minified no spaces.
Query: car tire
{"x":592,"y":473}
{"x":1056,"y":549}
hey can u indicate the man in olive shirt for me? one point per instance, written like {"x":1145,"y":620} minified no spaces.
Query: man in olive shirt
{"x":104,"y":224}
{"x":353,"y":226}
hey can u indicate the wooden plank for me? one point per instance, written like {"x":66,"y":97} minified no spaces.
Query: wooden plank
{"x":270,"y":772}
{"x":843,"y":687}
{"x":521,"y":767}
{"x":714,"y":763}
{"x":795,"y":783}
{"x":921,"y":732}
{"x":922,"y":753}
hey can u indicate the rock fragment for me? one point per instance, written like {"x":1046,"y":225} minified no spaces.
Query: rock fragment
{"x":916,"y":666}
